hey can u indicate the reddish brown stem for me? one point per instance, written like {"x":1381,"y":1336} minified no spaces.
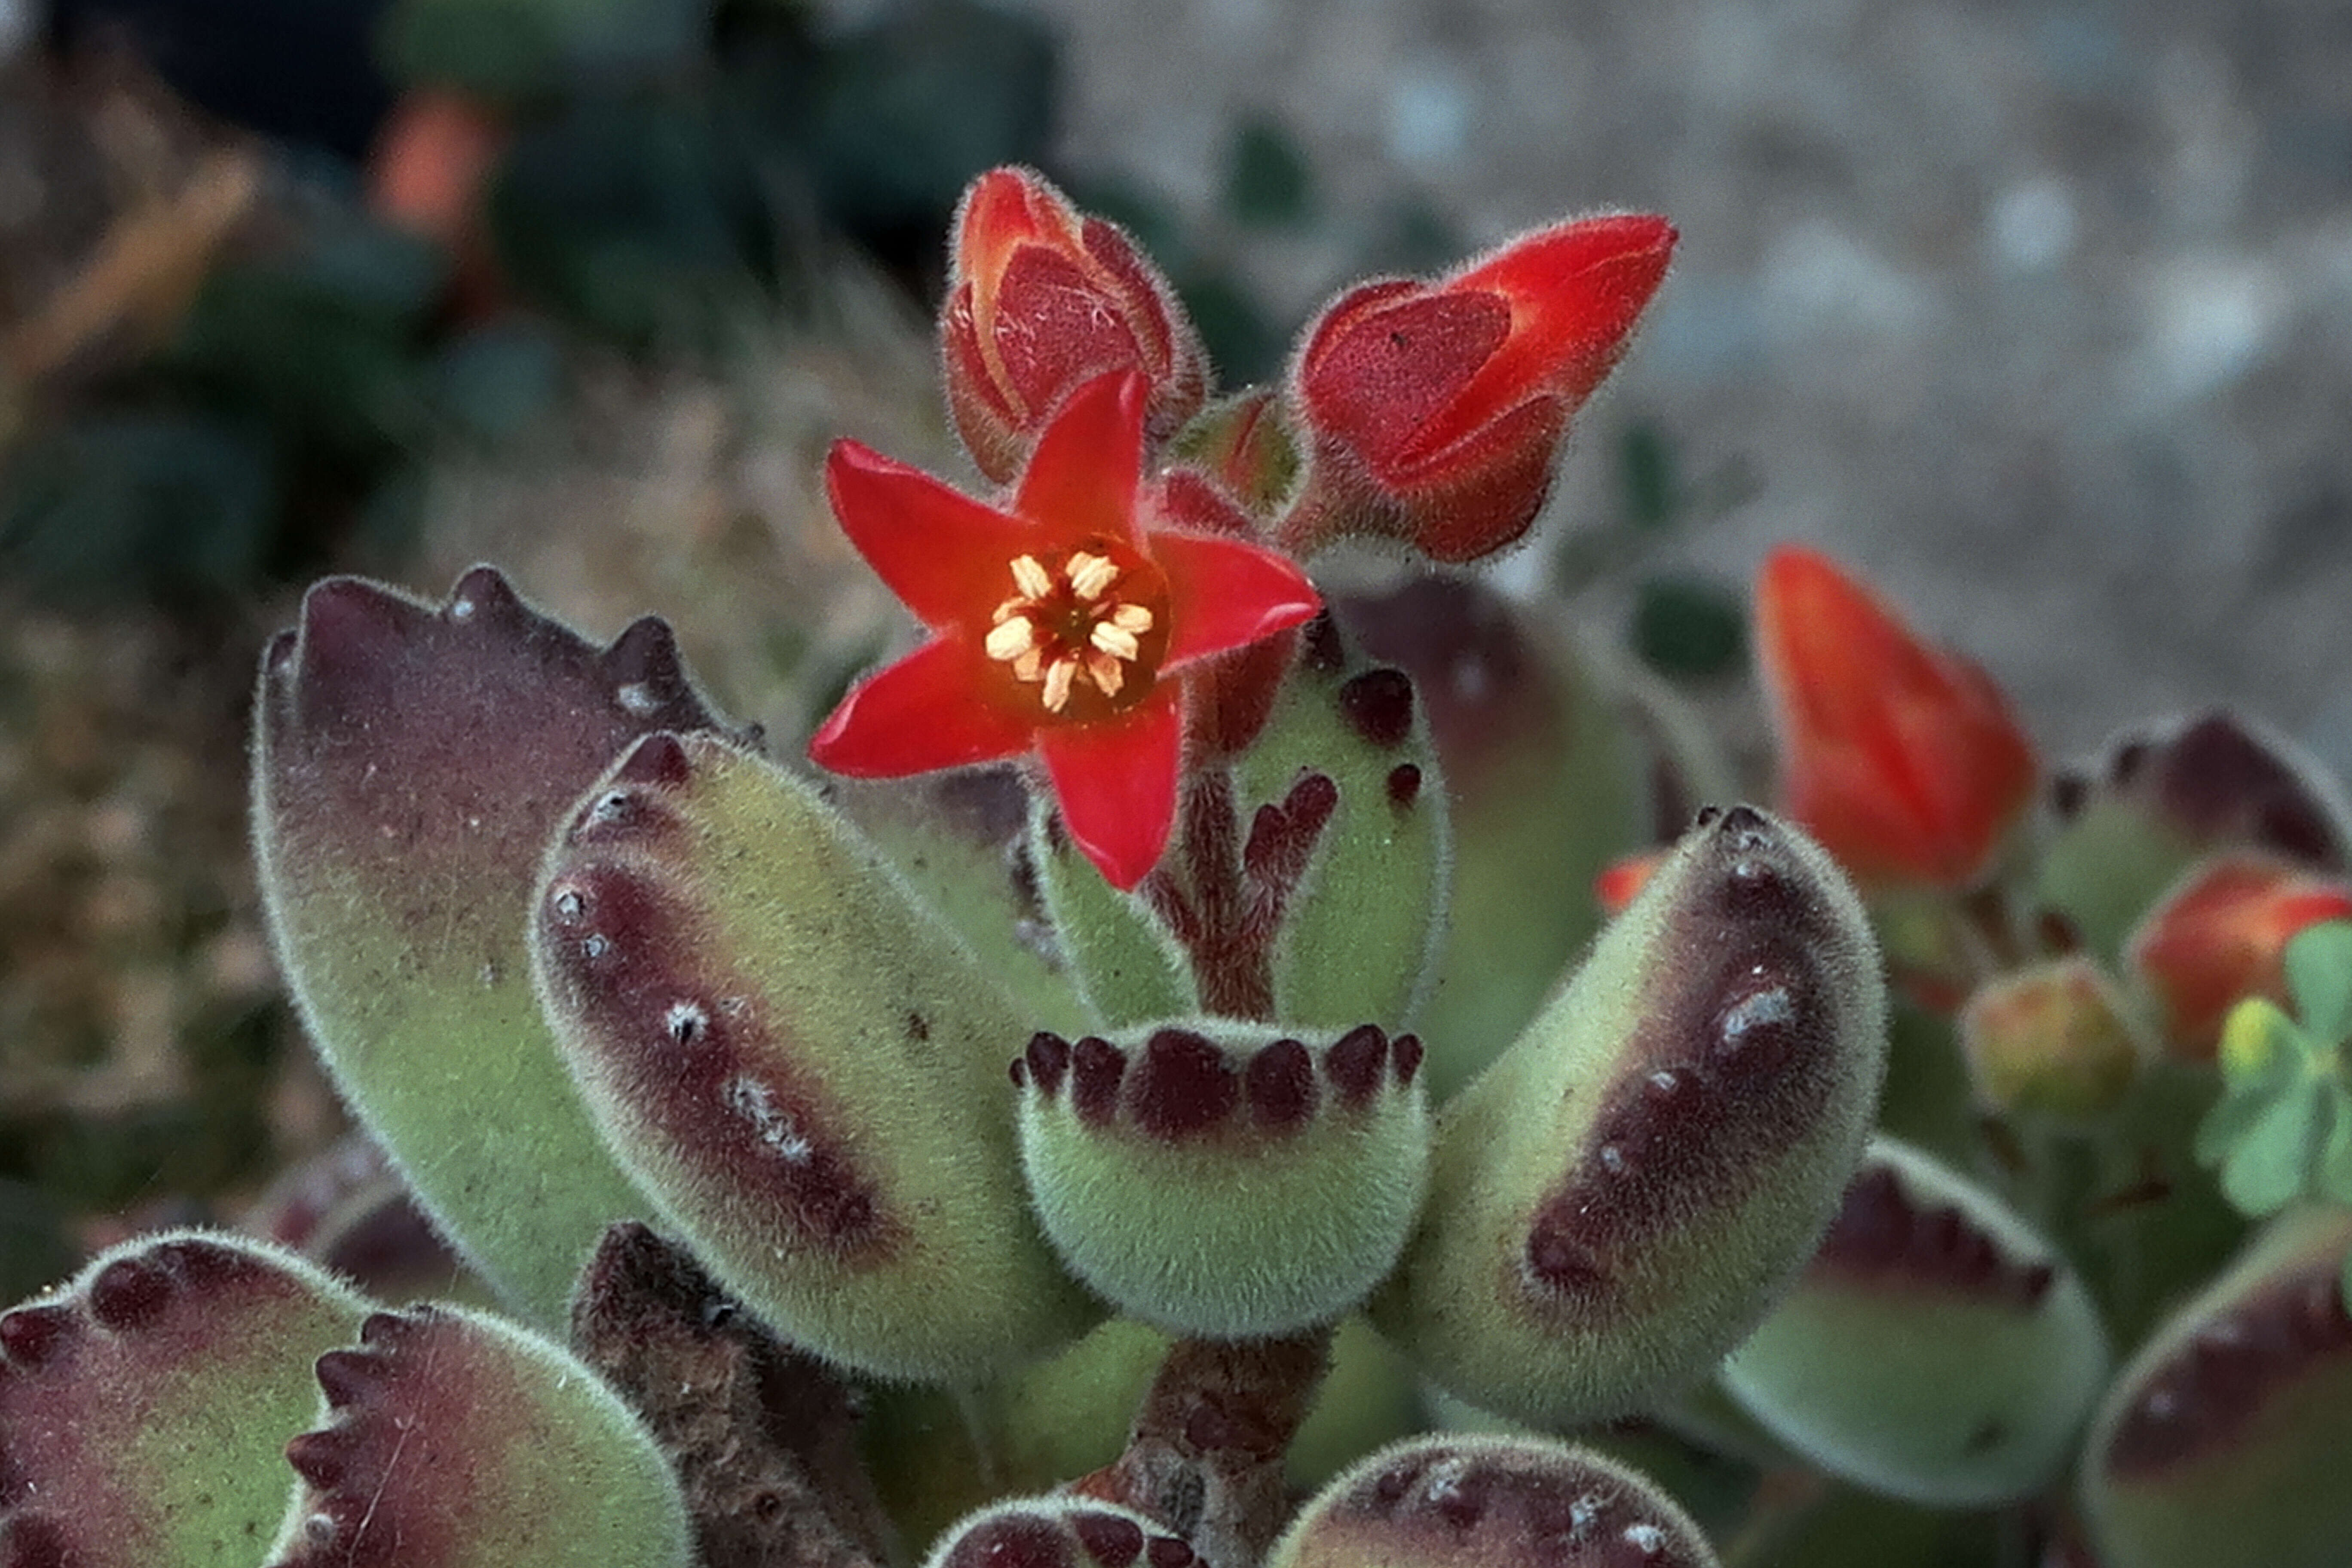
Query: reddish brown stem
{"x":1205,"y":1455}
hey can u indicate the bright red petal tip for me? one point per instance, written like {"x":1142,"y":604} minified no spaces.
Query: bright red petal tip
{"x":1083,"y":478}
{"x":1224,"y":594}
{"x":919,"y":715}
{"x":1117,"y":784}
{"x":939,"y":550}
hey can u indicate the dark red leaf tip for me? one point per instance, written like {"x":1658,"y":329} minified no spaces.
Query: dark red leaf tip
{"x":1404,"y":1055}
{"x":31,"y":1336}
{"x":1355,"y":1062}
{"x":1378,"y":706}
{"x":1095,"y":1068}
{"x":1403,"y":786}
{"x":1167,"y":1552}
{"x":351,"y":1376}
{"x":1011,"y":1541}
{"x":1048,"y":1057}
{"x":349,"y":623}
{"x":1112,"y":1540}
{"x":322,"y":1457}
{"x":33,"y":1541}
{"x":130,"y":1292}
{"x":657,"y":762}
{"x":1182,"y":1086}
{"x":1882,"y":1232}
{"x":1280,"y":1084}
{"x":483,"y":596}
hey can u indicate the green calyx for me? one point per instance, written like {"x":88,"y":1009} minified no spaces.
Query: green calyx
{"x":146,"y":1405}
{"x":1616,"y":1201}
{"x":1220,"y":1181}
{"x":410,"y":761}
{"x":1462,"y":1502}
{"x":804,"y":1068}
{"x":1936,"y":1349}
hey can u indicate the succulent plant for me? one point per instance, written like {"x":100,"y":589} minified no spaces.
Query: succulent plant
{"x":1182,"y":1131}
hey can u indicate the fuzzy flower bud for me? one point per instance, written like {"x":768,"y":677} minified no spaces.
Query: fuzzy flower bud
{"x":1042,"y":297}
{"x":1434,"y":411}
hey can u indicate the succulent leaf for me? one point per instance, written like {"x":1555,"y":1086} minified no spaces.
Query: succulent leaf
{"x":1060,"y":1533}
{"x":410,"y":761}
{"x":1616,"y":1201}
{"x":1462,"y":1502}
{"x":1125,"y":961}
{"x":2223,"y":1440}
{"x":1223,"y":1183}
{"x":800,"y":1065}
{"x":1541,"y":780}
{"x":1936,"y":1349}
{"x":457,"y":1439}
{"x":144,"y":1409}
{"x":1361,"y":878}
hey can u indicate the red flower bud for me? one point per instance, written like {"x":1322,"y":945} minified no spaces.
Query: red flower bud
{"x":1042,"y":297}
{"x":1901,"y":757}
{"x":1622,"y":879}
{"x":2220,"y":935}
{"x":1434,"y":410}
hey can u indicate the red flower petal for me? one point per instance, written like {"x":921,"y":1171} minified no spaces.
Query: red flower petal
{"x":1902,"y":759}
{"x":1575,"y":293}
{"x":922,"y":714}
{"x":948,"y":556}
{"x":1224,"y":593}
{"x":1083,"y":478}
{"x":1116,"y":784}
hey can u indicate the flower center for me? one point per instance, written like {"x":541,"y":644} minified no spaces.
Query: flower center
{"x":1088,"y":631}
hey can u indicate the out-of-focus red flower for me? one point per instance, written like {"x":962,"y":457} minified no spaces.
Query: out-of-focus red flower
{"x":1062,"y":623}
{"x":1434,"y":410}
{"x":1623,"y":878}
{"x":1902,"y":758}
{"x":1042,"y":297}
{"x":427,"y":174}
{"x":2221,"y":934}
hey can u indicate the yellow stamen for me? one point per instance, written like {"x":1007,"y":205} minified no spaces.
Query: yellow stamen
{"x":1108,"y":672}
{"x":1133,"y":619}
{"x":1059,"y":676}
{"x":1090,"y":574}
{"x":1031,"y":577}
{"x":1108,"y":636}
{"x":1030,"y":665}
{"x":1010,"y":638}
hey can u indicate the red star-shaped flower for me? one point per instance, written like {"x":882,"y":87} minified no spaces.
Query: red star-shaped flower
{"x":1062,"y":623}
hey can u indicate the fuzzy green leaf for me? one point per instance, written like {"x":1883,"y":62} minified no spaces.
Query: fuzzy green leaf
{"x":1125,"y":962}
{"x":2271,"y":1165}
{"x":145,"y":1408}
{"x":799,"y":1064}
{"x":2320,"y":978}
{"x":411,"y":762}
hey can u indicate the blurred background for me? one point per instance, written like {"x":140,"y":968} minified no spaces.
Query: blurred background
{"x":2036,"y":314}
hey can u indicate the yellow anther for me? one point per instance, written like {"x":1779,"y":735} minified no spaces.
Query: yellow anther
{"x":1110,"y":640}
{"x":1029,"y":575}
{"x":1030,"y":665}
{"x":1060,"y":675}
{"x":1108,"y":672}
{"x":1090,"y":574}
{"x":1011,"y":637}
{"x":1132,"y":619}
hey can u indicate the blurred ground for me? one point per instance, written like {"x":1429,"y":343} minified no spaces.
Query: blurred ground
{"x":2041,"y":314}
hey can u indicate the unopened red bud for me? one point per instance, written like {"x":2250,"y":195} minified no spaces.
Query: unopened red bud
{"x":1043,"y":297}
{"x":2052,"y":1038}
{"x":1902,"y":759}
{"x":2221,"y":934}
{"x":1434,"y":411}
